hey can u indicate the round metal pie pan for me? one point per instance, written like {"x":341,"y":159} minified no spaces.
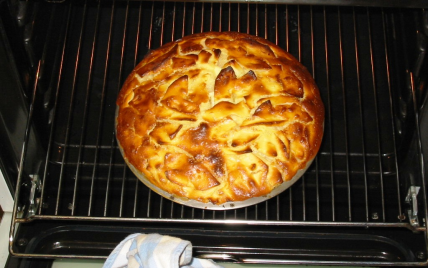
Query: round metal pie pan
{"x":197,"y":204}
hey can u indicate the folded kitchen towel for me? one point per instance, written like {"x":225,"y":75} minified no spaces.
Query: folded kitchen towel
{"x":155,"y":251}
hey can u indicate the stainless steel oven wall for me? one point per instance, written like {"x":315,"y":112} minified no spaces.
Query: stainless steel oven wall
{"x":16,"y":78}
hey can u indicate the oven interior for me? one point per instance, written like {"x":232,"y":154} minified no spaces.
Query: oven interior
{"x":362,"y":201}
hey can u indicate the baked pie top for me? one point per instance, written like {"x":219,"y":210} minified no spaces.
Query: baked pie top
{"x":219,"y":117}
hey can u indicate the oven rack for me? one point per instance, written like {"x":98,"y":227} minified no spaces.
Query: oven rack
{"x":357,"y":55}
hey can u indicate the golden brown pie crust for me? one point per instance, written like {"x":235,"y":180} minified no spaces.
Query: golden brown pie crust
{"x":219,"y":117}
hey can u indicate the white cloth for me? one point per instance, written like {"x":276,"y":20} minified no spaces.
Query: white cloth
{"x":155,"y":251}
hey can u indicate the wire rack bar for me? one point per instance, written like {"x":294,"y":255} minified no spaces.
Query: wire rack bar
{"x":392,"y":112}
{"x":329,"y":116}
{"x":70,"y":112}
{"x":85,"y":115}
{"x":50,"y":141}
{"x":363,"y":145}
{"x":107,"y":191}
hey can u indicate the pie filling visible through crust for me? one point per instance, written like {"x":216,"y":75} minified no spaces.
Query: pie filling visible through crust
{"x":219,"y":117}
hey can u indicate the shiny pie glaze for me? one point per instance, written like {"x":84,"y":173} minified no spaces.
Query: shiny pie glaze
{"x":219,"y":117}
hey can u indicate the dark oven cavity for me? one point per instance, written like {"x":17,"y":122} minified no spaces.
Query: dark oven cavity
{"x":362,"y":201}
